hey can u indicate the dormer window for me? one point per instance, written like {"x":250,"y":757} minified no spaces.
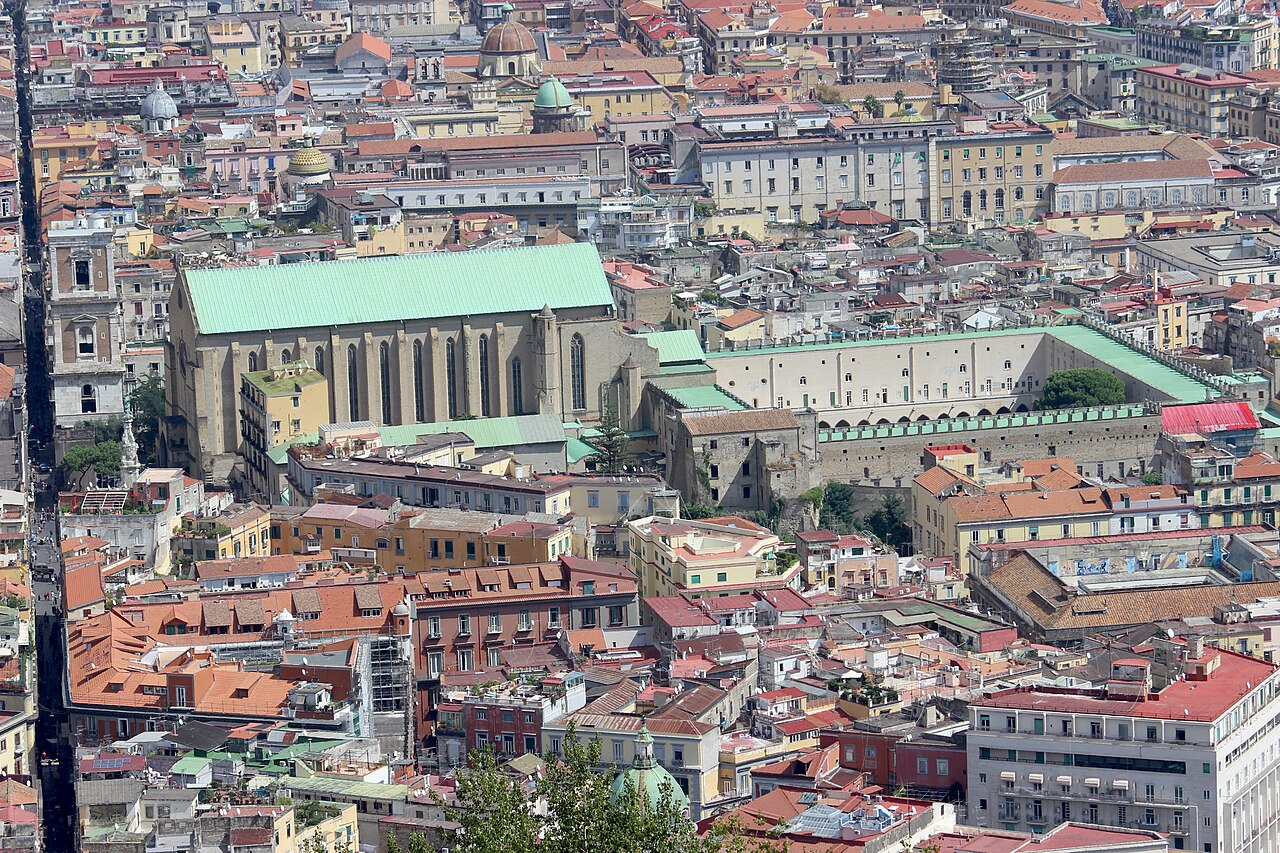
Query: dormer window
{"x":371,"y":612}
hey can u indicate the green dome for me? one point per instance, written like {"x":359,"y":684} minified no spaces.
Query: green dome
{"x":553,"y":95}
{"x":647,"y":777}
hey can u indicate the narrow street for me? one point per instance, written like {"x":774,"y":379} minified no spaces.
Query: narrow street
{"x":55,"y":753}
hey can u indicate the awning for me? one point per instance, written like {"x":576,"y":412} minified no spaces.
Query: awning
{"x":1120,"y":784}
{"x":1008,"y":775}
{"x":1064,"y":780}
{"x":1036,"y":777}
{"x":1092,"y":783}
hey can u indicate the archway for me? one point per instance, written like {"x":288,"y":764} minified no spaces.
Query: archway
{"x":1021,"y":407}
{"x":904,"y":420}
{"x":1003,"y":410}
{"x":864,"y":422}
{"x":823,"y":425}
{"x":923,"y":418}
{"x":882,"y":421}
{"x":983,"y":413}
{"x":944,"y":417}
{"x":842,"y":424}
{"x":962,"y":414}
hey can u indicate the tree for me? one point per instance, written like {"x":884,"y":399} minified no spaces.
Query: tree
{"x":147,"y":402}
{"x":889,"y":522}
{"x":825,"y":93}
{"x":1083,"y":386}
{"x":492,"y":810}
{"x":418,"y":843}
{"x":103,"y":457}
{"x":576,"y":810}
{"x":1152,"y":478}
{"x":899,"y":98}
{"x":871,"y":104}
{"x":697,"y":510}
{"x":393,"y":846}
{"x":611,"y":444}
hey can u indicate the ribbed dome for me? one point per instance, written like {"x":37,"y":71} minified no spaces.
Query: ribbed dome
{"x":553,"y":95}
{"x":647,"y":777}
{"x":158,"y":105}
{"x":509,"y":37}
{"x":308,"y":163}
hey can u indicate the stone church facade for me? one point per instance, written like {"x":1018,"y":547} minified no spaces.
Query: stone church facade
{"x":416,"y":339}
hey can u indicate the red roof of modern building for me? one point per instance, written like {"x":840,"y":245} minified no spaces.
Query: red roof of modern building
{"x":1202,"y":699}
{"x":1207,"y":418}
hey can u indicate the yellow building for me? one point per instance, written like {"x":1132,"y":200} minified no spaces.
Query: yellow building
{"x":1188,"y":98}
{"x":278,"y":406}
{"x":746,"y":324}
{"x":241,"y":530}
{"x":1117,"y":225}
{"x":235,"y":45}
{"x":1171,"y":322}
{"x":991,"y":171}
{"x":706,"y":558}
{"x":53,"y":149}
{"x":623,"y":93}
{"x":319,"y":826}
{"x":116,"y":33}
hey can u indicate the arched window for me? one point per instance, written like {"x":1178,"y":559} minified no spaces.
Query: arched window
{"x":384,"y":380}
{"x":353,"y":382}
{"x":88,"y":400}
{"x":451,"y":377}
{"x":966,"y":203}
{"x":999,"y":197}
{"x":285,"y":356}
{"x":517,"y":388}
{"x":253,"y":361}
{"x":511,"y":69}
{"x":419,"y":404}
{"x":982,"y":199}
{"x":964,"y":368}
{"x":483,"y":373}
{"x":319,"y":361}
{"x":578,"y":372}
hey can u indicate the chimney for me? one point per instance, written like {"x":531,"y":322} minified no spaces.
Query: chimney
{"x":1195,"y":647}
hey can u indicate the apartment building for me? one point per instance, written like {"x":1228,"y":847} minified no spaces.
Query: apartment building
{"x":466,"y":620}
{"x":1246,"y":45}
{"x":277,"y":406}
{"x":792,"y":162}
{"x":1188,"y":97}
{"x":954,"y":513}
{"x":416,"y":540}
{"x":991,"y":171}
{"x":1183,"y":743}
{"x":838,"y":562}
{"x":704,"y":559}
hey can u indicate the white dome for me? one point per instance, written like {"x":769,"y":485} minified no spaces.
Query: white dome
{"x":158,"y":105}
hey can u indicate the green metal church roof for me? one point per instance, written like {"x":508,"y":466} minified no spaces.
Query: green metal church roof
{"x":413,"y":287}
{"x":675,"y":347}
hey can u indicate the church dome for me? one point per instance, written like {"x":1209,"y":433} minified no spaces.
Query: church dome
{"x":158,"y":105}
{"x":552,"y":95}
{"x":508,"y":37}
{"x":646,"y":777}
{"x":308,"y":162}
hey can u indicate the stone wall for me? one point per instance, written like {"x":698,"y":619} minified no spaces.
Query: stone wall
{"x":1107,"y":448}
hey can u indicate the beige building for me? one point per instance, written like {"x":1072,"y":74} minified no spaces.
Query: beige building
{"x":991,"y":172}
{"x":705,"y":559}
